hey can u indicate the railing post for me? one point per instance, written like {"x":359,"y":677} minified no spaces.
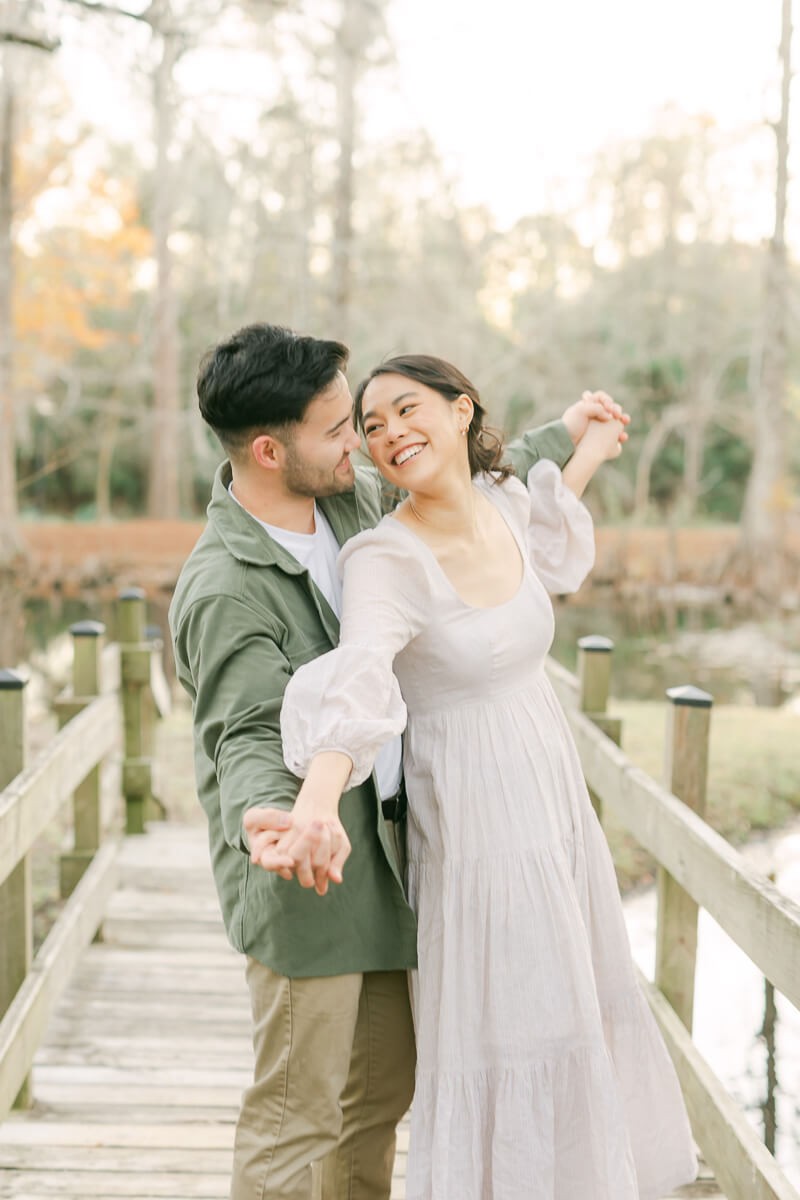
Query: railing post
{"x":87,"y":817}
{"x":686,"y":775}
{"x":137,"y":784}
{"x":16,"y":901}
{"x":594,"y":678}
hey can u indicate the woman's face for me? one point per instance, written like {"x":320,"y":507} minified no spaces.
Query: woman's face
{"x":413,"y":433}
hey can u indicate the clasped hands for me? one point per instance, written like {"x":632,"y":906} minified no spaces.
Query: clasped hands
{"x":594,"y":406}
{"x":310,"y":842}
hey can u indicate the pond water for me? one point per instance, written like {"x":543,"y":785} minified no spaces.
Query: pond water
{"x":655,"y":647}
{"x":729,"y":1002}
{"x":724,"y":652}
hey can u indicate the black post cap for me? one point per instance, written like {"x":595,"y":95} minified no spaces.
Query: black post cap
{"x":692,"y":697}
{"x":87,"y":629}
{"x":595,"y":643}
{"x":11,"y":681}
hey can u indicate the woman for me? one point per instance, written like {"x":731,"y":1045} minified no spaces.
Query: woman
{"x":540,"y":1070}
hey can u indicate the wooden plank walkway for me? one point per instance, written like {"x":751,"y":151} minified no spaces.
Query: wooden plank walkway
{"x":138,"y":1080}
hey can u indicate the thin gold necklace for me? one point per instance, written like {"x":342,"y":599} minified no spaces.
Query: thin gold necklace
{"x":420,"y":518}
{"x":424,"y":520}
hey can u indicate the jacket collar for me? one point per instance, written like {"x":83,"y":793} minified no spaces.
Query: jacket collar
{"x":249,"y":542}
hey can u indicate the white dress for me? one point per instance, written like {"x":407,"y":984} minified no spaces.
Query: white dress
{"x":541,"y":1073}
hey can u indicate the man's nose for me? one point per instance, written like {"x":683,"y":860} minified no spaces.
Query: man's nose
{"x":353,"y":440}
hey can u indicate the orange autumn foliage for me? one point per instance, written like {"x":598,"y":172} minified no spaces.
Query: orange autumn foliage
{"x":79,"y":247}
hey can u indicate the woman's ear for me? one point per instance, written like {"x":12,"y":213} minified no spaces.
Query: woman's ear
{"x":465,"y":409}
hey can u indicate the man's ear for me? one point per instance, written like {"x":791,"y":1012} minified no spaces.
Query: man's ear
{"x":268,"y":452}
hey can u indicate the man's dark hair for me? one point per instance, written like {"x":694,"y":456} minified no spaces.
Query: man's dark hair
{"x":262,"y":379}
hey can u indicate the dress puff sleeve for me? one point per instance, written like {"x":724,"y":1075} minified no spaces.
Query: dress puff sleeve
{"x":557,"y":526}
{"x":349,"y":699}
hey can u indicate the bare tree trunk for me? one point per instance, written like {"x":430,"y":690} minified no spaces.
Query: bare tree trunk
{"x":349,"y":50}
{"x":10,"y":541}
{"x":303,"y":306}
{"x":763,"y":517}
{"x":163,"y":491}
{"x":657,"y":435}
{"x":109,"y":427}
{"x":699,"y":413}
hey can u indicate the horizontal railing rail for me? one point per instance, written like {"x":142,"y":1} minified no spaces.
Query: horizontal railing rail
{"x":696,"y":868}
{"x":112,"y":702}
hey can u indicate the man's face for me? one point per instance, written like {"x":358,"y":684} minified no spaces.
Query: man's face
{"x":317,"y":461}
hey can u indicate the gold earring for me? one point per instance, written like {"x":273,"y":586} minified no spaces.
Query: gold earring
{"x":465,"y":431}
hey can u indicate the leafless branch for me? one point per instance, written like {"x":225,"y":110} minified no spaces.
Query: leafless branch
{"x":111,"y":10}
{"x":29,"y":39}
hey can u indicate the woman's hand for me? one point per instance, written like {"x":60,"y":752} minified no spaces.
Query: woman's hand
{"x":601,"y":442}
{"x":317,"y":842}
{"x":593,"y":406}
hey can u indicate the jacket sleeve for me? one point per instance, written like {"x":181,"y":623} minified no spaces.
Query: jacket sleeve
{"x":550,"y":441}
{"x":230,"y":661}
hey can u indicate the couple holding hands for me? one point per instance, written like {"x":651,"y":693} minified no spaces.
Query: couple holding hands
{"x":437,"y":919}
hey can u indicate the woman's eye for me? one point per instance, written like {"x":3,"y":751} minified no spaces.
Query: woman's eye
{"x":406,"y":408}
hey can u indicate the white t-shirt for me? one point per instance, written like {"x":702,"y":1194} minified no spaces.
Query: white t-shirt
{"x":317,"y":552}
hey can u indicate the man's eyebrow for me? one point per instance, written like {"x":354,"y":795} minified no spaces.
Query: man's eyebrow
{"x":395,"y":402}
{"x":339,"y":424}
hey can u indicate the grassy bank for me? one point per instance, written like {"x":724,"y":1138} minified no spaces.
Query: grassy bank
{"x":753,"y":774}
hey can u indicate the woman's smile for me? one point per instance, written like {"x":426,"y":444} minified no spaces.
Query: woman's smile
{"x":406,"y":453}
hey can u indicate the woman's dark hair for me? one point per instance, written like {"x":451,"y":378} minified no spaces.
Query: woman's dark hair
{"x":263,"y":377}
{"x":484,"y":446}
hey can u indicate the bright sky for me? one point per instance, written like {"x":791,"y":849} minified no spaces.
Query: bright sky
{"x":522,"y":92}
{"x":518,"y":95}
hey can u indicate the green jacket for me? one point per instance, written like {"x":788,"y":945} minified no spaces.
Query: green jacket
{"x":244,"y":617}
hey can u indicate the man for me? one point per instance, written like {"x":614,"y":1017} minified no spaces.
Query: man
{"x":258,"y":597}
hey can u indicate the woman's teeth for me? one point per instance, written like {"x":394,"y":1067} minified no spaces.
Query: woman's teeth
{"x":405,"y":455}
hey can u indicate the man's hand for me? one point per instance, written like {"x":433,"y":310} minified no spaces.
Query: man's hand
{"x":264,"y":828}
{"x":594,"y":406}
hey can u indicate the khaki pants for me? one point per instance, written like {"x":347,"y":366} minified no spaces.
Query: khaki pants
{"x":334,"y":1073}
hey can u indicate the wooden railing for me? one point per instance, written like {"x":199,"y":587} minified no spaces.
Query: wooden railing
{"x":120,"y":681}
{"x":115,"y":696}
{"x":697,"y":868}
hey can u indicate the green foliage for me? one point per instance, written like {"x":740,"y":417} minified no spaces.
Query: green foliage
{"x":663,"y":311}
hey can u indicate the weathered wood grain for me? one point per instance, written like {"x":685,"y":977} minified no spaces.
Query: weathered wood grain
{"x":140,"y":1074}
{"x":761,"y":919}
{"x":23,"y":1025}
{"x":740,"y":1160}
{"x":29,"y":803}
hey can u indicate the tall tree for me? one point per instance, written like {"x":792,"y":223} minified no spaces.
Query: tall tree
{"x":13,"y":36}
{"x":359,"y":30}
{"x":164,"y":483}
{"x":762,"y":539}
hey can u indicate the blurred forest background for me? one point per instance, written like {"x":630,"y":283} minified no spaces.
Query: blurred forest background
{"x":122,"y":258}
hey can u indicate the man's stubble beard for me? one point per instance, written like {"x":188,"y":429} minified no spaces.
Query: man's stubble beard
{"x":302,"y":479}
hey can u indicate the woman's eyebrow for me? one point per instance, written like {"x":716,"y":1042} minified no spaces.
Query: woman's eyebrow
{"x":395,"y":402}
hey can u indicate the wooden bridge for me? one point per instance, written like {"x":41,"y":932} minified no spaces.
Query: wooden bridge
{"x":125,"y":1043}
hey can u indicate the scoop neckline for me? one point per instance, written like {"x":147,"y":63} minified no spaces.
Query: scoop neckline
{"x":448,"y":581}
